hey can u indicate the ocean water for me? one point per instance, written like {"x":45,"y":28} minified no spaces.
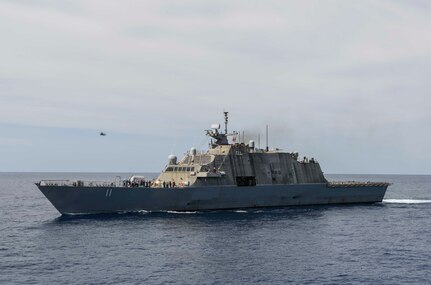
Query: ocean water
{"x":383,"y":243}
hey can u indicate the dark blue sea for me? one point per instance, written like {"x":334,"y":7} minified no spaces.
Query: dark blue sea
{"x":384,"y":243}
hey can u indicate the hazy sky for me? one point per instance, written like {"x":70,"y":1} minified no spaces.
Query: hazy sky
{"x":346,"y":82}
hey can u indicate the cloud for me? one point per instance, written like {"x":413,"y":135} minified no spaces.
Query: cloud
{"x":7,"y":141}
{"x":322,"y":69}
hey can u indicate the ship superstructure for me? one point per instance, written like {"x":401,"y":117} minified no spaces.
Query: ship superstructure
{"x":239,"y":164}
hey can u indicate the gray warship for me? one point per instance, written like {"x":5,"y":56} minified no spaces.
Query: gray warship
{"x":229,"y":175}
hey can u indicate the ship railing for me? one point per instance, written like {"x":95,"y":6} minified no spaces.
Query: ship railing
{"x":117,"y":183}
{"x":357,"y":184}
{"x":80,"y":183}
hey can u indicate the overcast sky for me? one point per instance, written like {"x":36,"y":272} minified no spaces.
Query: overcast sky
{"x":346,"y":82}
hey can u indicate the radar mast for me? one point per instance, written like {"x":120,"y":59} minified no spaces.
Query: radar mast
{"x":221,"y":138}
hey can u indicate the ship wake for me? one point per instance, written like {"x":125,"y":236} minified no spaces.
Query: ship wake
{"x":406,"y":201}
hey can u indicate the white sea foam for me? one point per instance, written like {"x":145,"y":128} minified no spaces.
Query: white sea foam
{"x":240,"y":211}
{"x":133,"y":212}
{"x":406,"y":201}
{"x":182,"y":212}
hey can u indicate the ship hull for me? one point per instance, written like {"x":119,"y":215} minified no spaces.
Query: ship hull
{"x":96,"y":200}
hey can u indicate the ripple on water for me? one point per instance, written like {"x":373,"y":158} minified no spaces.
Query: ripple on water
{"x":384,"y":243}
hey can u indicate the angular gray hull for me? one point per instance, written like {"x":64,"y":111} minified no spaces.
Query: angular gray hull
{"x":93,"y":200}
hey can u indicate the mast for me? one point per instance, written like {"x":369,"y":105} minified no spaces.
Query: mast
{"x":221,"y":138}
{"x":258,"y":140}
{"x":226,"y":119}
{"x":267,"y":147}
